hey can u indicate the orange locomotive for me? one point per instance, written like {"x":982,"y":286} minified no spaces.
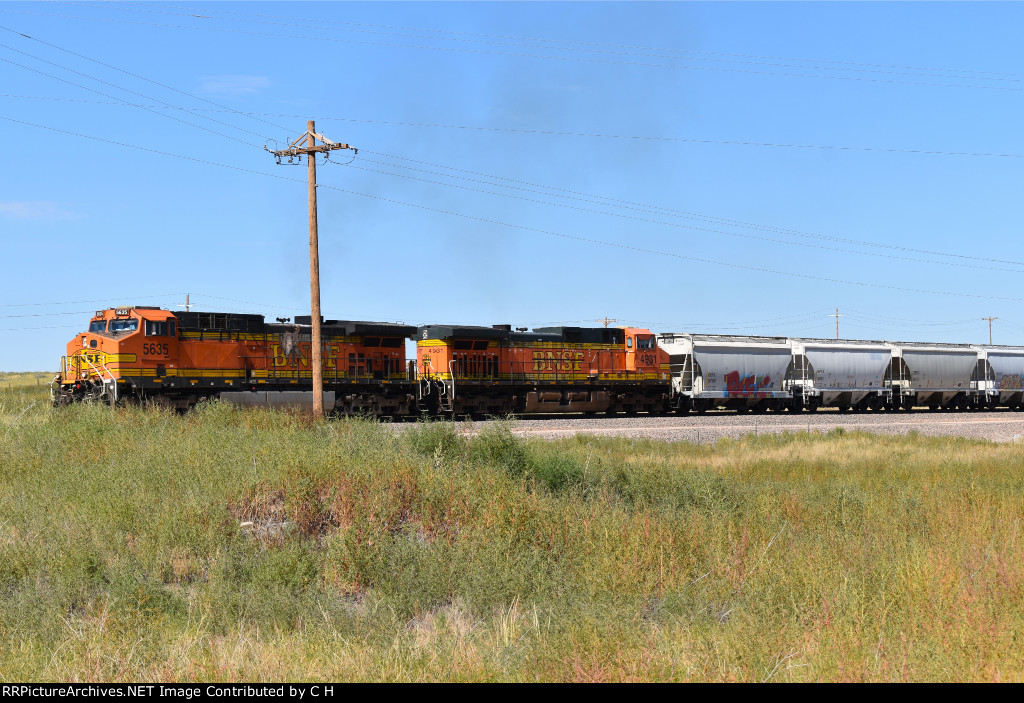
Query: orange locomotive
{"x":552,"y":369}
{"x":178,"y":358}
{"x":140,"y":353}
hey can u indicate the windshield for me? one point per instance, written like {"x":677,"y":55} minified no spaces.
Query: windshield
{"x":98,"y":326}
{"x":129,"y":325}
{"x":645,"y":342}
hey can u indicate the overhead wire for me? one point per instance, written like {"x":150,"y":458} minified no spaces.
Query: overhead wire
{"x":706,"y":230}
{"x":322,"y":20}
{"x":48,"y":314}
{"x":595,"y":135}
{"x":675,"y":66}
{"x":247,"y":114}
{"x":620,"y":51}
{"x":148,"y":80}
{"x":94,"y":300}
{"x":536,"y":230}
{"x":615,"y":202}
{"x":731,"y":222}
{"x":98,"y":92}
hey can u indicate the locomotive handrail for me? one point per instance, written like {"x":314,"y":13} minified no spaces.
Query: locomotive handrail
{"x":53,"y":381}
{"x":113,"y":381}
{"x":451,"y":372}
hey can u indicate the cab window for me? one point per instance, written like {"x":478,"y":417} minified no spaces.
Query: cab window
{"x":98,"y":326}
{"x":160,"y":328}
{"x":129,"y":325}
{"x":629,"y":342}
{"x":645,"y":342}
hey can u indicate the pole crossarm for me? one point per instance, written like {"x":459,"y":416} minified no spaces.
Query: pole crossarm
{"x":308,"y":140}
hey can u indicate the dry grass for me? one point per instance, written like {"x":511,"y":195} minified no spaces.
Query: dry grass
{"x":251,"y":545}
{"x":25,"y":379}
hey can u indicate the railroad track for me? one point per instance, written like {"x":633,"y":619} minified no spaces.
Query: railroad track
{"x":998,"y":426}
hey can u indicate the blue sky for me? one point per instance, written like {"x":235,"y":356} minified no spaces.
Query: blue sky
{"x":523,"y":163}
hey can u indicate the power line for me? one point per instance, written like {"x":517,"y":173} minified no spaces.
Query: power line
{"x":699,"y":216}
{"x":92,"y":90}
{"x":148,"y":80}
{"x":50,"y":327}
{"x":675,"y":66}
{"x":524,"y":228}
{"x":48,"y":314}
{"x":679,"y":213}
{"x":568,"y":42}
{"x":679,"y":225}
{"x":557,"y":133}
{"x":685,"y":140}
{"x":94,"y":300}
{"x":595,"y":47}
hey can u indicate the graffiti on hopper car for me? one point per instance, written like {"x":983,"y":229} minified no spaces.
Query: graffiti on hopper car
{"x":750,"y":385}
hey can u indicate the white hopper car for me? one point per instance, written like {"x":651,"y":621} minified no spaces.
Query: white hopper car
{"x":779,"y":373}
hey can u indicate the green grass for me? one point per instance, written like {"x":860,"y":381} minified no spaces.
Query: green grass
{"x":25,"y":379}
{"x":427,"y":555}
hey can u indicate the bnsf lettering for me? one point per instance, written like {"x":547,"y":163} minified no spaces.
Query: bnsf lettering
{"x":564,"y":361}
{"x":300,"y":355}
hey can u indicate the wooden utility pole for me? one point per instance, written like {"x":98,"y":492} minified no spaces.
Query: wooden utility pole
{"x":606,"y":321}
{"x":310,"y":150}
{"x":990,"y":328}
{"x":837,"y":316}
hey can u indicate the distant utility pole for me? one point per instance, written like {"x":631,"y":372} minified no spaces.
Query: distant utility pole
{"x":606,"y":321}
{"x":310,"y":149}
{"x":837,"y":316}
{"x":187,"y":306}
{"x":990,"y":328}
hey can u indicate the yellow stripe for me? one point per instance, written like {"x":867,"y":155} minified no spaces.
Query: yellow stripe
{"x":105,"y":357}
{"x":537,"y":376}
{"x":524,"y":345}
{"x":270,"y":337}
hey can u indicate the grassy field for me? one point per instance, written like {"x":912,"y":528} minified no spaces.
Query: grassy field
{"x":25,"y":379}
{"x":254,"y":545}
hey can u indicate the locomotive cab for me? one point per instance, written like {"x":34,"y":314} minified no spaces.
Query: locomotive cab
{"x":119,"y":343}
{"x":643,"y":357}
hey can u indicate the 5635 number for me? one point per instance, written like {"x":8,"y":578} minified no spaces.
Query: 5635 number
{"x":155,"y":349}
